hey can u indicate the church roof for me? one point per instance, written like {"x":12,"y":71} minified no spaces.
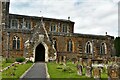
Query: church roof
{"x":37,"y":17}
{"x":82,"y":35}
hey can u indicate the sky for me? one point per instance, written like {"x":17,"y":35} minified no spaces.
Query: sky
{"x":90,"y":16}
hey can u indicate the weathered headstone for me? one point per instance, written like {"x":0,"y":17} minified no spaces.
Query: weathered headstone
{"x":81,"y":61}
{"x":96,"y":73}
{"x":89,"y":62}
{"x":60,"y":59}
{"x":57,"y":60}
{"x":105,"y":61}
{"x":79,"y":69}
{"x":114,"y":71}
{"x":88,"y":71}
{"x":74,"y":60}
{"x":64,"y":60}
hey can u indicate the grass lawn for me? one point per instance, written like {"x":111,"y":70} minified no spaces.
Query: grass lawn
{"x":55,"y":71}
{"x":5,"y":65}
{"x":16,"y":71}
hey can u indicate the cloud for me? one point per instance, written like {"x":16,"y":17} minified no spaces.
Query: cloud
{"x":90,"y":16}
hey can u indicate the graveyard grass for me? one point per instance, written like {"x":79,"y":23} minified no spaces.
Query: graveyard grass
{"x":17,"y":71}
{"x":4,"y":64}
{"x":55,"y":71}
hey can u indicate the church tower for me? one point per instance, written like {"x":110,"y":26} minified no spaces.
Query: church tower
{"x":5,"y":13}
{"x":4,"y":19}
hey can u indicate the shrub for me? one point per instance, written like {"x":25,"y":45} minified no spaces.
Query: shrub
{"x":8,"y":60}
{"x":20,"y":59}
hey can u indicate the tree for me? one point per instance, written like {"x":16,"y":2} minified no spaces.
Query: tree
{"x":117,"y":46}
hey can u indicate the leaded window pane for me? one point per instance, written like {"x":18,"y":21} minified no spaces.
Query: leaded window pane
{"x":64,"y":28}
{"x":53,"y":27}
{"x":102,"y":48}
{"x":88,"y":47}
{"x":69,"y":48}
{"x":28,"y":25}
{"x":14,"y":24}
{"x":14,"y":44}
{"x":18,"y":44}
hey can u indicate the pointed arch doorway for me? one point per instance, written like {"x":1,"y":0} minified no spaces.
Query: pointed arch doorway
{"x":40,"y":53}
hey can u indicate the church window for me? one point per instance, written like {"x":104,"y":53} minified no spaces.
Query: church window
{"x":89,"y":47}
{"x":53,"y":27}
{"x":103,"y":48}
{"x":16,"y":42}
{"x":14,"y":24}
{"x":28,"y":25}
{"x":64,"y":28}
{"x":69,"y":46}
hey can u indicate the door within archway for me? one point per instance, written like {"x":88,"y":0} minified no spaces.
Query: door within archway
{"x":40,"y":53}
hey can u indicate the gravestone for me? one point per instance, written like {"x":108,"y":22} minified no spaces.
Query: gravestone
{"x":79,"y":69}
{"x":89,"y":62}
{"x":114,"y":71}
{"x":88,"y":71}
{"x":96,"y":73}
{"x":60,"y":59}
{"x":81,"y":61}
{"x":64,"y":60}
{"x":57,"y":60}
{"x":105,"y":61}
{"x":74,"y":60}
{"x":84,"y":62}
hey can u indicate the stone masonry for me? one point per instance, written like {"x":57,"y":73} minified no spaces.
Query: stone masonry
{"x":58,"y":39}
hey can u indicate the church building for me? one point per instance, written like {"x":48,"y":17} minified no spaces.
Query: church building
{"x":45,"y":39}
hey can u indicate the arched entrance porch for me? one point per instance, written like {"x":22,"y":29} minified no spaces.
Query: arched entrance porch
{"x":40,"y":53}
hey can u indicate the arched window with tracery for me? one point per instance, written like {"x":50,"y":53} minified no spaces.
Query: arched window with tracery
{"x":88,"y":47}
{"x":69,"y":46}
{"x":16,"y":42}
{"x":103,"y":48}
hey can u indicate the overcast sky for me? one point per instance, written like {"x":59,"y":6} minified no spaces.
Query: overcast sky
{"x":90,"y":16}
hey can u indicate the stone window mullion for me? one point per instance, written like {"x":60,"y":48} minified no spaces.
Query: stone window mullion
{"x":16,"y":43}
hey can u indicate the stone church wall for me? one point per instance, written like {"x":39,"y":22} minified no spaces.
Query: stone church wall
{"x":80,"y":42}
{"x":62,"y":38}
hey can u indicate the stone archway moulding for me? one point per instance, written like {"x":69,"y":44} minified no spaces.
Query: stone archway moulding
{"x":46,"y":51}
